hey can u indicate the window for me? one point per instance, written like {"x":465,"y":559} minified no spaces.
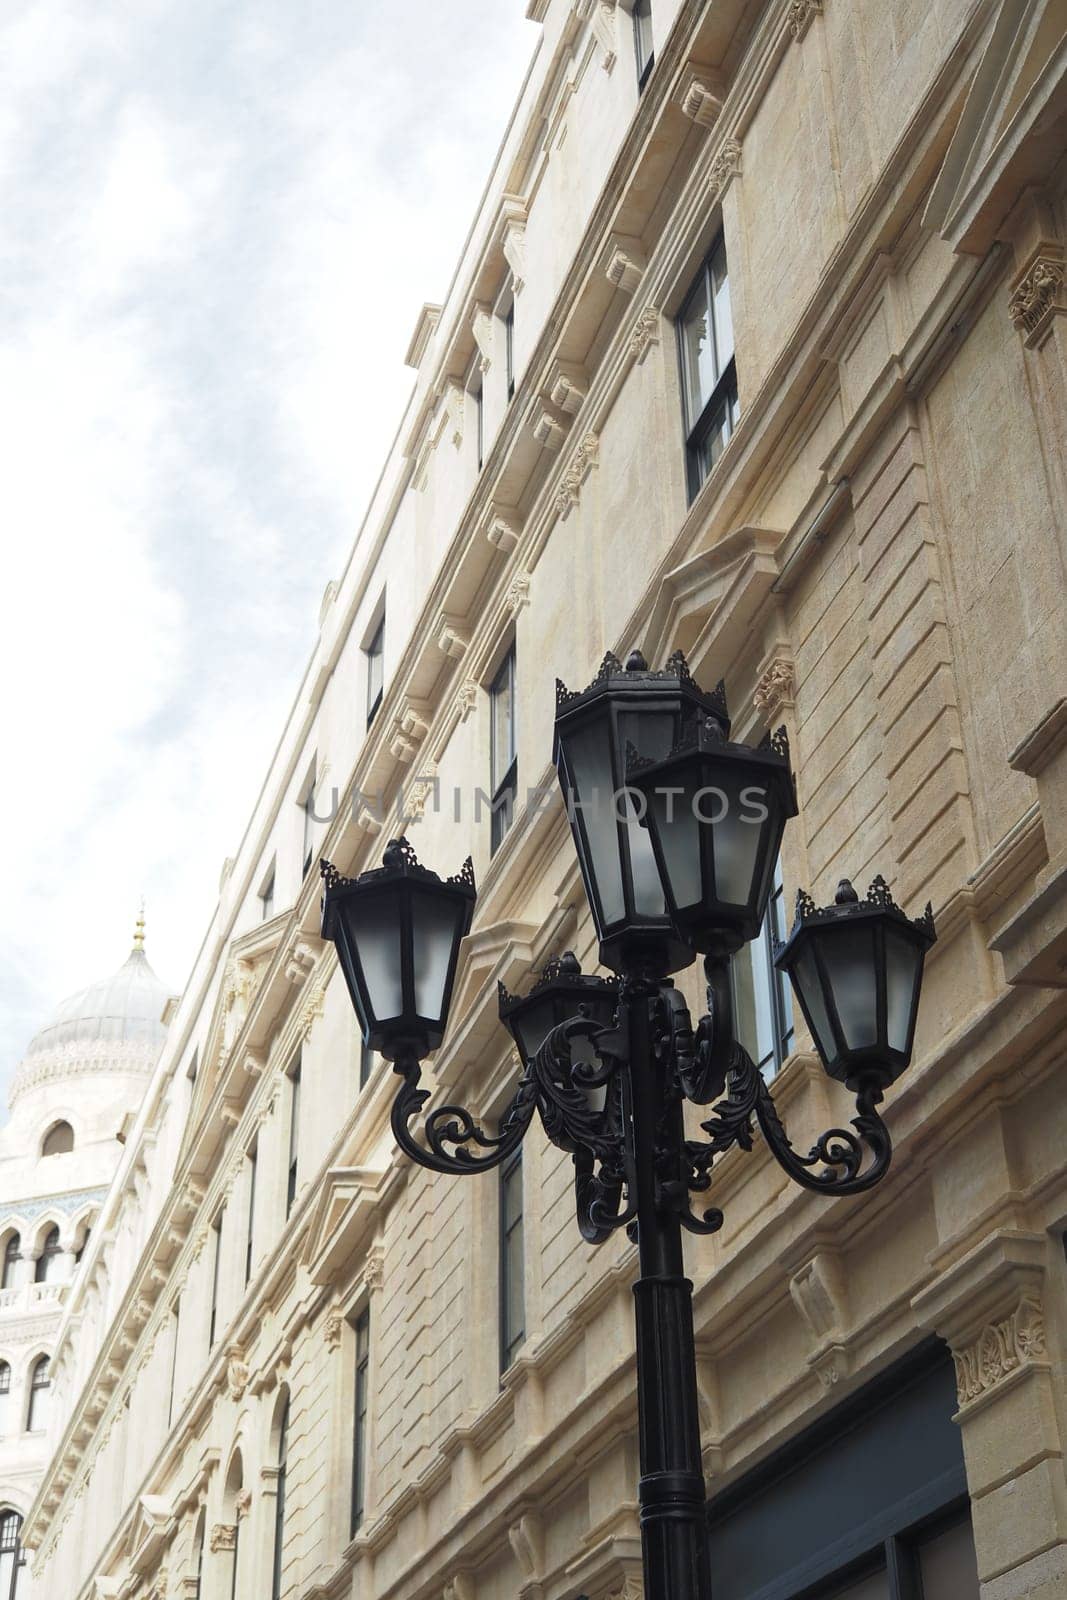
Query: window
{"x":46,"y":1269}
{"x":512,"y":1276}
{"x":194,"y":1063}
{"x":216,"y":1228}
{"x":11,"y":1260}
{"x":266,"y":896}
{"x":236,"y":1553}
{"x":40,"y":1384}
{"x":86,"y":1236}
{"x":503,"y":764}
{"x":250,"y":1231}
{"x":359,"y":1421}
{"x":294,"y":1134}
{"x":175,"y":1322}
{"x":509,"y":347}
{"x":763,"y":1003}
{"x":12,"y":1557}
{"x":307,"y":806}
{"x":201,"y":1529}
{"x":59,"y":1140}
{"x":646,"y":56}
{"x":870,"y":1503}
{"x":478,"y":396}
{"x":375,"y":654}
{"x":709,"y":373}
{"x":5,"y":1400}
{"x":279,"y":1504}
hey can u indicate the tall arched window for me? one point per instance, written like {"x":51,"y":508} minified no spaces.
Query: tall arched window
{"x":199,"y":1543}
{"x":40,"y":1384}
{"x":58,"y":1141}
{"x":47,"y":1268}
{"x":12,"y":1251}
{"x":5,"y":1401}
{"x":11,"y":1554}
{"x":279,"y":1505}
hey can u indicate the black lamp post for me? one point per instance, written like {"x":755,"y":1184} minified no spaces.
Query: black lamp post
{"x":677,"y":832}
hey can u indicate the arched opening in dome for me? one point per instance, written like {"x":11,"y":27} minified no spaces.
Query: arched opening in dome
{"x":59,"y":1140}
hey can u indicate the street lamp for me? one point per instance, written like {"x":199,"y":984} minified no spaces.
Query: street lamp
{"x":677,"y":832}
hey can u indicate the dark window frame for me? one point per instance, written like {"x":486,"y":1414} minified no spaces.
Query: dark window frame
{"x":642,"y":12}
{"x":266,"y":894}
{"x":279,"y":1503}
{"x":511,"y":1339}
{"x":11,"y":1545}
{"x":175,"y":1322}
{"x":250,"y":1228}
{"x":38,"y":1385}
{"x":366,"y":1063}
{"x":721,"y":408}
{"x":12,"y":1257}
{"x":51,"y":1250}
{"x":503,"y":779}
{"x":782,"y":1018}
{"x":307,"y":806}
{"x":360,"y":1415}
{"x":295,"y":1077}
{"x":509,"y":347}
{"x":213,"y":1318}
{"x":374,"y":655}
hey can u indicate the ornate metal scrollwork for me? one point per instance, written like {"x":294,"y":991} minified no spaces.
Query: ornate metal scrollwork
{"x":453,"y":1126}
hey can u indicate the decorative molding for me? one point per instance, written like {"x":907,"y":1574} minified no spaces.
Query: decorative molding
{"x":1000,"y":1349}
{"x":451,"y":637}
{"x":459,"y":1587}
{"x":526,"y":1537}
{"x":467,"y":697}
{"x":518,"y":593}
{"x":1039,"y":293}
{"x":424,"y":785}
{"x":626,"y":262}
{"x":582,"y":463}
{"x":701,"y":96}
{"x":313,"y":1009}
{"x":223,"y":1537}
{"x":243,"y":1502}
{"x":602,"y":15}
{"x":502,"y":528}
{"x":775,"y":688}
{"x":374,"y":1270}
{"x":1043,"y":743}
{"x":454,"y":398}
{"x":549,"y":423}
{"x":300,"y":961}
{"x":645,"y":334}
{"x":409,"y":731}
{"x":568,"y":385}
{"x":513,"y":220}
{"x":818,"y":1290}
{"x":332,"y":1330}
{"x":801,"y":15}
{"x":481,"y":322}
{"x":236,"y":1373}
{"x":725,"y":167}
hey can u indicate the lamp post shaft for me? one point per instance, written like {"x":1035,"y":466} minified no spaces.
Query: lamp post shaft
{"x":671,"y":1491}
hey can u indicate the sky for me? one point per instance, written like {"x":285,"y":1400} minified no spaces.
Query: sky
{"x":218,"y":222}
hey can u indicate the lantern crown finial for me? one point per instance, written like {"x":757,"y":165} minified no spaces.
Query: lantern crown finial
{"x":846,"y":894}
{"x":635,"y":662}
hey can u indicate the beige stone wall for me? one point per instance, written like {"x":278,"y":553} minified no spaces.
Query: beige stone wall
{"x":877,"y":561}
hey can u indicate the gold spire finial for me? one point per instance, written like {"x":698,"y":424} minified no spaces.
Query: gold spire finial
{"x":138,"y":932}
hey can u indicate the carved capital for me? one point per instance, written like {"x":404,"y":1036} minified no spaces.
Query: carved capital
{"x":581,"y":464}
{"x":236,"y":1373}
{"x":513,"y":239}
{"x":1039,"y":293}
{"x":332,"y":1330}
{"x":518,"y":593}
{"x":243,"y":1502}
{"x":625,"y":262}
{"x":223,"y":1537}
{"x":645,"y":334}
{"x":1000,"y":1349}
{"x":725,"y":167}
{"x":801,"y":15}
{"x":775,"y":688}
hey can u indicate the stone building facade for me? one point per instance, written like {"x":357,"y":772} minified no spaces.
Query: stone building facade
{"x":72,"y":1098}
{"x":757,"y":348}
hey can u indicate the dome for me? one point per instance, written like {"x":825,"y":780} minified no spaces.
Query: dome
{"x":125,"y":1008}
{"x":115,"y":1025}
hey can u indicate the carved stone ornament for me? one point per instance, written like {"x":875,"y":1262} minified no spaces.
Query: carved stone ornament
{"x":1038,"y":295}
{"x":775,"y":688}
{"x":459,"y":1587}
{"x":626,"y":262}
{"x":1001,"y":1348}
{"x":726,"y":166}
{"x":313,"y":1009}
{"x":801,"y":15}
{"x":602,"y":15}
{"x":645,"y":334}
{"x":243,"y":1502}
{"x":502,"y":529}
{"x":518,"y":593}
{"x":332,"y":1329}
{"x":467,"y":697}
{"x":157,"y":1589}
{"x":223,"y":1537}
{"x":582,"y":462}
{"x":374,"y":1271}
{"x":236,"y":1374}
{"x":700,"y":99}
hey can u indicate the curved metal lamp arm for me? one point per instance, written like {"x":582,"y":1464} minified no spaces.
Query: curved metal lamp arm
{"x":454,"y":1126}
{"x":839,"y":1152}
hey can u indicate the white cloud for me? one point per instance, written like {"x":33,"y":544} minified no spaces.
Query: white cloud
{"x":219,"y":226}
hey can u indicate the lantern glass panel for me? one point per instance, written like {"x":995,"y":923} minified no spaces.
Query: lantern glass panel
{"x":678,"y":831}
{"x":849,"y":960}
{"x":737,"y":833}
{"x":809,"y":987}
{"x":902,"y":959}
{"x":373,"y":925}
{"x":534,"y":1025}
{"x":434,"y":935}
{"x":588,"y":752}
{"x":648,"y":890}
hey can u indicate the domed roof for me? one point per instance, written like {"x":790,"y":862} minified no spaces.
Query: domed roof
{"x":115,"y":1025}
{"x":126,"y":1007}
